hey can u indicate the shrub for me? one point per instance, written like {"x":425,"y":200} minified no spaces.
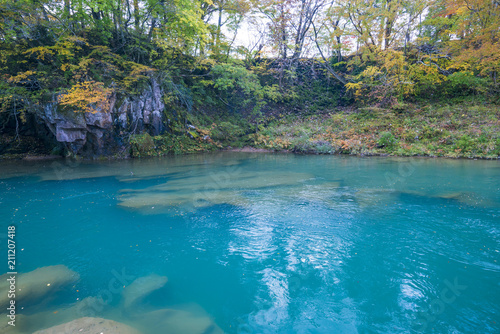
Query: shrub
{"x":429,"y":132}
{"x":226,"y":131}
{"x":387,"y":139}
{"x":142,"y":145}
{"x":302,"y":145}
{"x":323,"y":147}
{"x":466,"y":83}
{"x":496,"y":150}
{"x":466,"y":145}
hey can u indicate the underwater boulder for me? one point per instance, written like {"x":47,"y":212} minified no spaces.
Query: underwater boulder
{"x":36,"y":285}
{"x":202,"y":190}
{"x":5,"y":328}
{"x":140,"y":288}
{"x":172,"y":321}
{"x":89,"y":325}
{"x":88,"y":307}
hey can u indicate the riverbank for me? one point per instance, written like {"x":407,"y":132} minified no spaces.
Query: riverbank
{"x":464,"y":130}
{"x":458,"y":131}
{"x":461,"y":130}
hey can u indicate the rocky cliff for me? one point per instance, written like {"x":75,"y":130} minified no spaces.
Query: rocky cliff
{"x":106,"y":132}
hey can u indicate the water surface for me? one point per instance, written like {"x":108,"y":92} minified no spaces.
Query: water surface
{"x":263,"y":243}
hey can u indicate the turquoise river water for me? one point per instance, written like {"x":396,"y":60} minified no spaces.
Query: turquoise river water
{"x":255,"y":243}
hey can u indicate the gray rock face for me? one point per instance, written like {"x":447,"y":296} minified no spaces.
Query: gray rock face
{"x":143,"y":112}
{"x":100,"y":133}
{"x":90,"y":326}
{"x":70,"y":129}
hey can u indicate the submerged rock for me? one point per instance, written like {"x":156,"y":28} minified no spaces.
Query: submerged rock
{"x":140,"y":288}
{"x":318,"y":193}
{"x":37,"y":284}
{"x":172,"y":321}
{"x":207,"y":189}
{"x":469,"y":198}
{"x":460,"y":197}
{"x":127,"y":171}
{"x":90,"y":326}
{"x":374,"y":197}
{"x":88,"y":307}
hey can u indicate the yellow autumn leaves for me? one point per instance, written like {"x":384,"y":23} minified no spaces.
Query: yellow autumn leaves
{"x":88,"y":96}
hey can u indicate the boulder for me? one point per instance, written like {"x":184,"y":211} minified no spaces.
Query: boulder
{"x":36,"y":285}
{"x":88,"y":307}
{"x":173,"y":321}
{"x":204,"y":190}
{"x":140,"y":288}
{"x":90,"y":326}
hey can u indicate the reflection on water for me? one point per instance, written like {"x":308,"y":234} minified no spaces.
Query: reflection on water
{"x":254,"y":243}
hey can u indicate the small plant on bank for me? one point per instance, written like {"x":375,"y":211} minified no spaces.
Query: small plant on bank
{"x":387,"y":140}
{"x":467,"y":146}
{"x":400,"y":107}
{"x":324,"y":147}
{"x":142,"y":145}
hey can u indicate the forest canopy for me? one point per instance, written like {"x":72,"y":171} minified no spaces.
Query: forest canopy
{"x":301,"y":53}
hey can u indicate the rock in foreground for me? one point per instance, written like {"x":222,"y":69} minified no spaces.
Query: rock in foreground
{"x":172,"y":321}
{"x":90,"y":326}
{"x":37,"y":284}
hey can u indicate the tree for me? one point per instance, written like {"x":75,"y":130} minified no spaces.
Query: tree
{"x":89,"y":96}
{"x":226,"y":13}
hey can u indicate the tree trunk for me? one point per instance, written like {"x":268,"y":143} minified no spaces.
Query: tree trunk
{"x":136,"y":15}
{"x":218,"y":32}
{"x":388,"y":25}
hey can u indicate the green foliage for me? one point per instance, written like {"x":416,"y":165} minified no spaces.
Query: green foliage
{"x":387,"y":139}
{"x":237,"y":86}
{"x":466,"y":83}
{"x":227,"y":132}
{"x":84,"y":54}
{"x":461,"y":130}
{"x":385,"y":80}
{"x":431,"y":132}
{"x":302,"y":145}
{"x":466,"y":145}
{"x":496,"y":149}
{"x":142,"y":145}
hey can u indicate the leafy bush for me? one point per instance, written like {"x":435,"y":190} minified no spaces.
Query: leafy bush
{"x":429,"y":132}
{"x":323,"y":147}
{"x":387,"y":139}
{"x":226,"y":131}
{"x":366,"y":113}
{"x":466,"y":145}
{"x":302,"y":145}
{"x":142,"y":145}
{"x":409,"y":135}
{"x":466,"y":83}
{"x":496,"y":150}
{"x":237,"y":86}
{"x":400,"y":107}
